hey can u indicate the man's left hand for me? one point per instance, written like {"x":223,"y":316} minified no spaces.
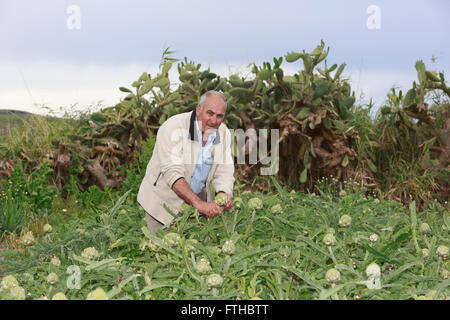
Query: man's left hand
{"x":229,"y":203}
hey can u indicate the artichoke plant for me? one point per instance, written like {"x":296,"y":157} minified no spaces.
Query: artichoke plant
{"x":333,"y":276}
{"x":28,"y":238}
{"x":97,"y":294}
{"x":228,"y":247}
{"x":255,"y":204}
{"x":47,"y":228}
{"x":442,"y":252}
{"x":214,"y":280}
{"x":52,"y":278}
{"x":345,"y":221}
{"x":9,"y":282}
{"x":172,"y":239}
{"x":329,"y":239}
{"x":90,"y":253}
{"x":221,"y":199}
{"x":425,"y":228}
{"x":59,"y":296}
{"x":373,"y":273}
{"x":203,"y":266}
{"x":276,"y":209}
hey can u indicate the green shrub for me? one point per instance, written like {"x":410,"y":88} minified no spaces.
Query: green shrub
{"x":135,"y":173}
{"x":41,"y":193}
{"x":92,"y":197}
{"x":13,"y":211}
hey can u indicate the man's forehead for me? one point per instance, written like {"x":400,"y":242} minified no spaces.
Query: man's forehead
{"x":217,"y":110}
{"x":214,"y":104}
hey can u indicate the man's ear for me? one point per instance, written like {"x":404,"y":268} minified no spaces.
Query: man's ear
{"x":197,"y":111}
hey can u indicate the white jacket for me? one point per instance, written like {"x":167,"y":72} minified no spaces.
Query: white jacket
{"x":175,"y":156}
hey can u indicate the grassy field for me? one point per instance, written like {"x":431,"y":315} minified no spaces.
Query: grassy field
{"x":11,"y":118}
{"x":276,"y":247}
{"x":284,"y":244}
{"x":357,"y":210}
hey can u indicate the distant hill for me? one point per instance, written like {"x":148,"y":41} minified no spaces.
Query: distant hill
{"x":13,"y":111}
{"x":9,"y":118}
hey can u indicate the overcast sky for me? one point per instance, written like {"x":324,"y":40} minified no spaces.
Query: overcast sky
{"x":45,"y":59}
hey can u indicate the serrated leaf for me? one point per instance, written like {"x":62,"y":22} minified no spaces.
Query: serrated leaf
{"x":326,"y":293}
{"x":116,"y":290}
{"x":393,"y":274}
{"x":103,"y":264}
{"x":380,"y":256}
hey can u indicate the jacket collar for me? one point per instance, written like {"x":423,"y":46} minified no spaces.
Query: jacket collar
{"x":193,"y":133}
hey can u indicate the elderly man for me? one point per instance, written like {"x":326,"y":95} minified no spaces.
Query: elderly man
{"x":191,"y":150}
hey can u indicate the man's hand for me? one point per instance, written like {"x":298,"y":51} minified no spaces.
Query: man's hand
{"x":209,"y":209}
{"x":229,"y":203}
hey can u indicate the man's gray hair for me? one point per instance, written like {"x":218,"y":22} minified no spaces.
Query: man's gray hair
{"x":207,"y":94}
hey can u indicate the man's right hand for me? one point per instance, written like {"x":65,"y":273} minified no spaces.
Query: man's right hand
{"x":209,"y":209}
{"x":183,"y":190}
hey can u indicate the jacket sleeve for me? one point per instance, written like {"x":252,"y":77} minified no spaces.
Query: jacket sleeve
{"x":223,"y":178}
{"x":169,"y":149}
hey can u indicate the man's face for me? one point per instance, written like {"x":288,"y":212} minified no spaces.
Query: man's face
{"x":212,"y":114}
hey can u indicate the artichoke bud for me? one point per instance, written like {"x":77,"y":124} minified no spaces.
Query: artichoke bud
{"x":214,"y":280}
{"x":333,"y":276}
{"x":345,"y":221}
{"x":329,"y":239}
{"x":255,"y":204}
{"x":203,"y":266}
